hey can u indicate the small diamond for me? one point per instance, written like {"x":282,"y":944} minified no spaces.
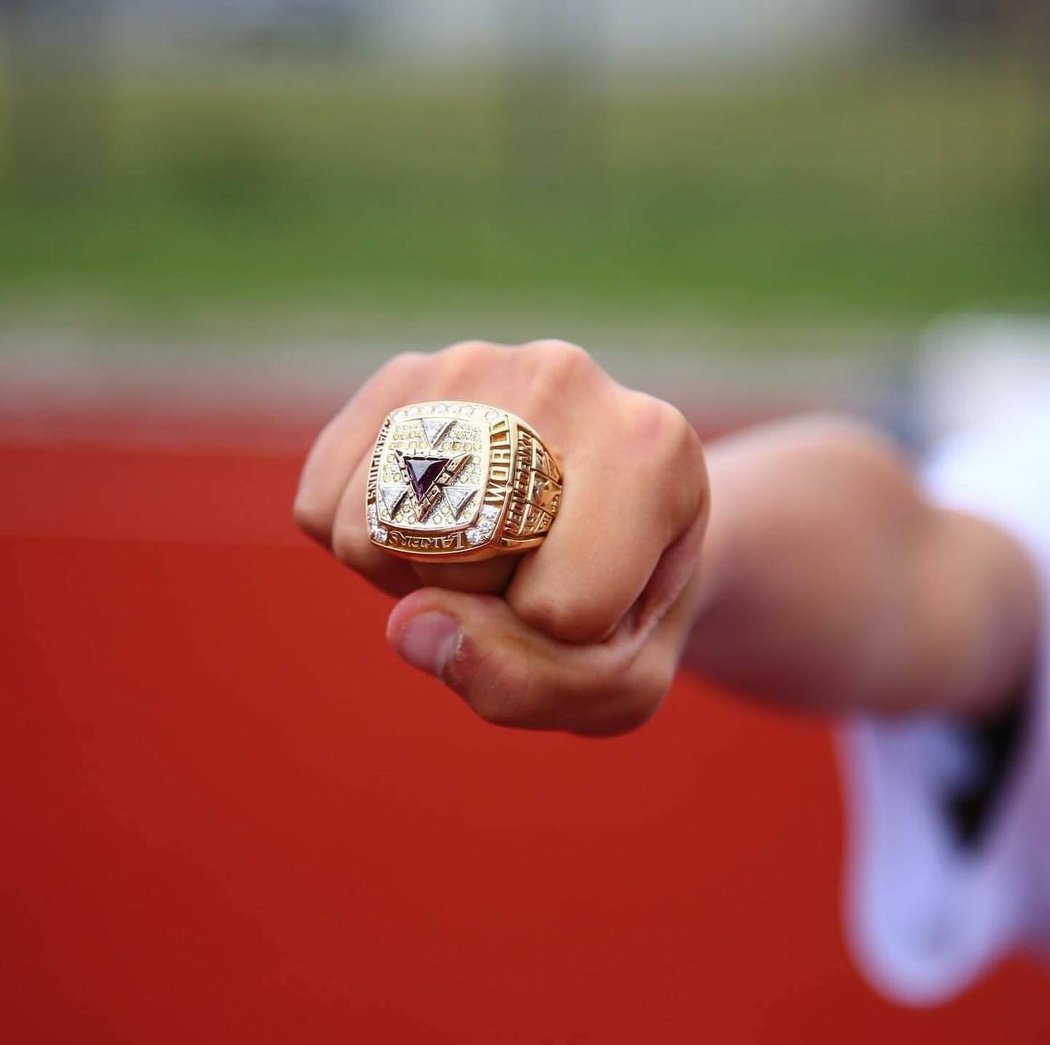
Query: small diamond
{"x":491,"y":415}
{"x":400,"y":415}
{"x":379,"y":533}
{"x":486,"y":526}
{"x":475,"y":536}
{"x":490,"y":512}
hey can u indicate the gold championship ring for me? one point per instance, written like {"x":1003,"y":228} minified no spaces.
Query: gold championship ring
{"x":453,"y":480}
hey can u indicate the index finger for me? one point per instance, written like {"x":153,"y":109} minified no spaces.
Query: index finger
{"x":346,"y":440}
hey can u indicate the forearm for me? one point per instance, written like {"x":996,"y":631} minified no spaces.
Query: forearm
{"x":828,"y":581}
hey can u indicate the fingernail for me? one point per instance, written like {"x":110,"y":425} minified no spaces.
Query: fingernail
{"x":429,"y":641}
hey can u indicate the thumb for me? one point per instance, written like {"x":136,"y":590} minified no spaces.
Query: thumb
{"x":512,"y":675}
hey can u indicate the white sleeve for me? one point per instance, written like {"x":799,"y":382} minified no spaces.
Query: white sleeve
{"x":925,"y":915}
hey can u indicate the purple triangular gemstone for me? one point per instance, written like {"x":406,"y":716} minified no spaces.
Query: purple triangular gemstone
{"x":423,"y":473}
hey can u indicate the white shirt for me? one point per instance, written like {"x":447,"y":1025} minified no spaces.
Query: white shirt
{"x":926,"y":915}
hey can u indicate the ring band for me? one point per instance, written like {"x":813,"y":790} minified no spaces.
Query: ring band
{"x":458,"y":480}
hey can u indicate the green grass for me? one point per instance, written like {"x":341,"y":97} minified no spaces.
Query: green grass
{"x":885,"y":192}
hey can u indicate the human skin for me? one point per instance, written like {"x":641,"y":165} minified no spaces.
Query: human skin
{"x":797,"y":562}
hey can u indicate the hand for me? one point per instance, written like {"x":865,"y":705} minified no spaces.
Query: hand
{"x":582,"y":634}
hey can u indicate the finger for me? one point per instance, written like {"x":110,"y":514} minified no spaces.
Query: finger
{"x":349,"y":437}
{"x":347,"y":440}
{"x":627,"y":497}
{"x":490,"y":576}
{"x":511,"y":675}
{"x":461,"y":370}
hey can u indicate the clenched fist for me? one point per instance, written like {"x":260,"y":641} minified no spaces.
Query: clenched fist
{"x":829,"y":581}
{"x":585,"y":632}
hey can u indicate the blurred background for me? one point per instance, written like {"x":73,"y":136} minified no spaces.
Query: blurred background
{"x":303,"y":178}
{"x":215,"y":219}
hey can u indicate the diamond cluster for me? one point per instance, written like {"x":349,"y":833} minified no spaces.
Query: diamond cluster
{"x":378,"y":532}
{"x":422,"y":438}
{"x":486,"y":525}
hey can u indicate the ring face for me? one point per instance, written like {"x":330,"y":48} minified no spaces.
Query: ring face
{"x":459,"y":480}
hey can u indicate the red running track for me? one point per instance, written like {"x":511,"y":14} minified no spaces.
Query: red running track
{"x":229,"y":815}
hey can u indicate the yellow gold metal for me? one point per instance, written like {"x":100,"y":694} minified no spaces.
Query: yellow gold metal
{"x":459,"y":480}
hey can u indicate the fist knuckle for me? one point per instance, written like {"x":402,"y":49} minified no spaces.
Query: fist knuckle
{"x":470,"y":353}
{"x":462,"y":362}
{"x":468,"y":346}
{"x":670,"y":439}
{"x":547,"y":369}
{"x":404,"y":365}
{"x":311,"y":516}
{"x":657,"y":422}
{"x":348,"y":543}
{"x":685,"y":439}
{"x":558,"y":360}
{"x":560,"y":618}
